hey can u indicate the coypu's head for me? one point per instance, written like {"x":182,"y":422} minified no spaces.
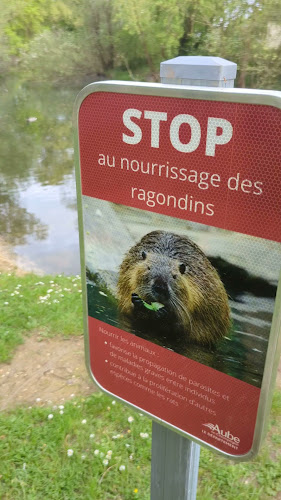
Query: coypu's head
{"x":172,"y":270}
{"x":160,"y":278}
{"x":157,"y":276}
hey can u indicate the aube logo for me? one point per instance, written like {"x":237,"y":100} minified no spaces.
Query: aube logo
{"x":227,"y":436}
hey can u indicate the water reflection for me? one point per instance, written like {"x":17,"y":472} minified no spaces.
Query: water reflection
{"x":58,"y":252}
{"x":37,"y":197}
{"x":16,"y":222}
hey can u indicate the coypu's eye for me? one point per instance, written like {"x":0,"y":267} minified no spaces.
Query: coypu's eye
{"x":148,"y":268}
{"x":143,"y":254}
{"x":174,"y":276}
{"x":182,"y":268}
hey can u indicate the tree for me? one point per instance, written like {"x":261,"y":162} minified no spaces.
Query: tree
{"x":67,"y":37}
{"x":199,"y":19}
{"x":28,"y":18}
{"x":241,"y":35}
{"x":154,"y":28}
{"x":99,"y":26}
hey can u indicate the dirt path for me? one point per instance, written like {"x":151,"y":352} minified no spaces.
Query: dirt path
{"x":50,"y":369}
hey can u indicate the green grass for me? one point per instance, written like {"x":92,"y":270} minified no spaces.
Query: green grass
{"x":35,"y":464}
{"x":51,"y":305}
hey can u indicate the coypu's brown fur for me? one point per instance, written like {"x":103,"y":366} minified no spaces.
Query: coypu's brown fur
{"x":171,"y":269}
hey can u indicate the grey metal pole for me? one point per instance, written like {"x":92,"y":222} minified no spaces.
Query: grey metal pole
{"x":175,"y":459}
{"x":174,"y":465}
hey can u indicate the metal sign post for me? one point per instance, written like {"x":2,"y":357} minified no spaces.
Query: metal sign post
{"x":175,"y":459}
{"x":179,"y":217}
{"x":174,"y":465}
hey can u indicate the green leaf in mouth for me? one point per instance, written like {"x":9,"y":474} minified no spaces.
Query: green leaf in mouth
{"x":154,"y":306}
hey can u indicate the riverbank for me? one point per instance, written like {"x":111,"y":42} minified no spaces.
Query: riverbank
{"x":42,"y":359}
{"x":8,"y":259}
{"x":41,"y":337}
{"x":50,"y":305}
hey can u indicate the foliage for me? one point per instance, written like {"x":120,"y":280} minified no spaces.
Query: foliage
{"x":43,"y":59}
{"x":99,"y":29}
{"x":244,"y":35}
{"x":56,"y":40}
{"x":156,"y":27}
{"x":28,"y":18}
{"x":199,"y":20}
{"x":5,"y":56}
{"x":97,"y":448}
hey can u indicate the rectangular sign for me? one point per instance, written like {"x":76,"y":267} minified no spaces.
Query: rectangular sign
{"x":179,"y":214}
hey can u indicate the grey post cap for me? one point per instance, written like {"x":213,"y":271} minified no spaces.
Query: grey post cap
{"x":198,"y":68}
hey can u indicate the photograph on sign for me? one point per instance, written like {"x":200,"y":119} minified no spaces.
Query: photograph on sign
{"x":205,"y":293}
{"x":182,"y":256}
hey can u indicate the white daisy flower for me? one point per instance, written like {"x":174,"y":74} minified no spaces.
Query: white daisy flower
{"x":144,"y":435}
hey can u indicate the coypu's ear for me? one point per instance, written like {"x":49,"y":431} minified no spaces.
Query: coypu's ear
{"x":143,"y":254}
{"x":182,"y":268}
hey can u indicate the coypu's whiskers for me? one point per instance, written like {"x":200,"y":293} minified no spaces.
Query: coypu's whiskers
{"x":182,"y":311}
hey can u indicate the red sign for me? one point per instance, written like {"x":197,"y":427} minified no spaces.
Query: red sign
{"x":185,"y":331}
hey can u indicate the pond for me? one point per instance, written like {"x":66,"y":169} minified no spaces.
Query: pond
{"x":38,"y":194}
